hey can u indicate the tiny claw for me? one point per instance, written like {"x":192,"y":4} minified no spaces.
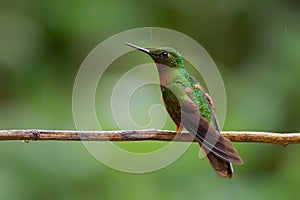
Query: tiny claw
{"x":179,"y":129}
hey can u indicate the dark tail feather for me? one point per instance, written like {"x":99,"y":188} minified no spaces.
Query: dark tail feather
{"x":217,"y":149}
{"x":222,"y":167}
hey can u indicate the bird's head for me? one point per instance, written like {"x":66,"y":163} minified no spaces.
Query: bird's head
{"x":162,"y":56}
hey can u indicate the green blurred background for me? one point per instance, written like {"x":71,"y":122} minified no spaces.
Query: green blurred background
{"x":255,"y":45}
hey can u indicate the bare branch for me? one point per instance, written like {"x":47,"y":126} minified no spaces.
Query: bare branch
{"x":149,"y":134}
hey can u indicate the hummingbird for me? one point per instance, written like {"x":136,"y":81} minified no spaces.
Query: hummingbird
{"x":191,"y":107}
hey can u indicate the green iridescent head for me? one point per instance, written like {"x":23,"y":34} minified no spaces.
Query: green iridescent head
{"x":165,"y":56}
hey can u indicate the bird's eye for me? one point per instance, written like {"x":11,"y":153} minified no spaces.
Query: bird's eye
{"x":165,"y":54}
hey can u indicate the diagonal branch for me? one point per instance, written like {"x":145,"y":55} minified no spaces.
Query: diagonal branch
{"x":148,"y":134}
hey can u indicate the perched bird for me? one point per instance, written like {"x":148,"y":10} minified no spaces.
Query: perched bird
{"x":190,"y":107}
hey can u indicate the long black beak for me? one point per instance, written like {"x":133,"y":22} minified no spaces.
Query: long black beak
{"x":138,"y":48}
